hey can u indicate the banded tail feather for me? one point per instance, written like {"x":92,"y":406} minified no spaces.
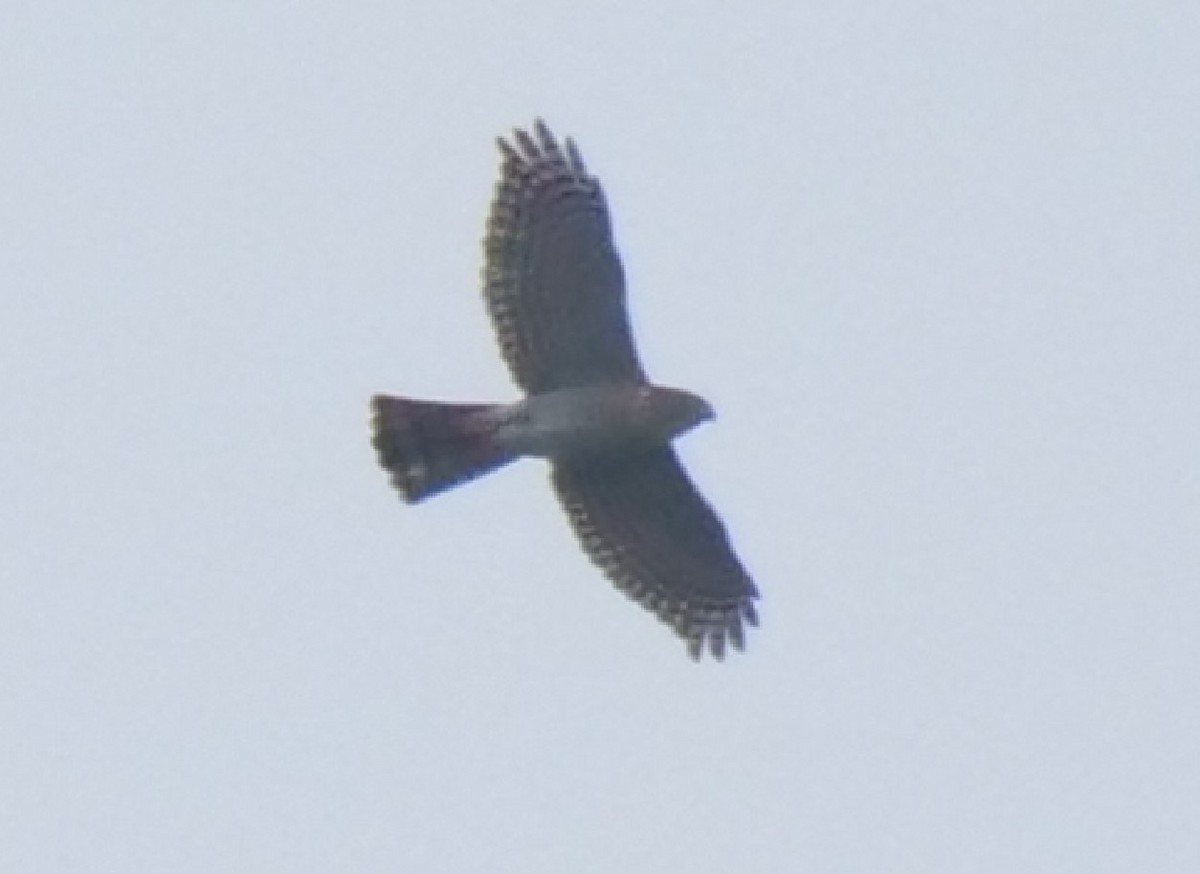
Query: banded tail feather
{"x":429,"y":447}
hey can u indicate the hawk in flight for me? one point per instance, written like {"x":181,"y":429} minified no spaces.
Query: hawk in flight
{"x":555,"y":291}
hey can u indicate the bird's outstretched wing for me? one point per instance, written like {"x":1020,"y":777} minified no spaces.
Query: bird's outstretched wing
{"x":642,"y":521}
{"x":552,"y":278}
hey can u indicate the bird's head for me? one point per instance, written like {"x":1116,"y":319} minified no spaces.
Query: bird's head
{"x":674,"y":411}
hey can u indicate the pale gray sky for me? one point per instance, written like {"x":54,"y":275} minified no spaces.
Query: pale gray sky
{"x":935,"y":264}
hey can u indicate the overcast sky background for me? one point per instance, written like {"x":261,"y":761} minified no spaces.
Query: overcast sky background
{"x":936,"y":265}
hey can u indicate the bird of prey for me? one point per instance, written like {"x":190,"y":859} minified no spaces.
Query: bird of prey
{"x":555,"y":291}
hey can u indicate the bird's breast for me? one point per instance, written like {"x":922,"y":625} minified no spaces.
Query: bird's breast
{"x":570,"y":421}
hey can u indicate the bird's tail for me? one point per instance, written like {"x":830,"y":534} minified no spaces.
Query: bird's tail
{"x":428,"y":447}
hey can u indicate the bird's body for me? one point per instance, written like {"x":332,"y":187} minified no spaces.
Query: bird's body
{"x":555,"y":291}
{"x":606,"y":418}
